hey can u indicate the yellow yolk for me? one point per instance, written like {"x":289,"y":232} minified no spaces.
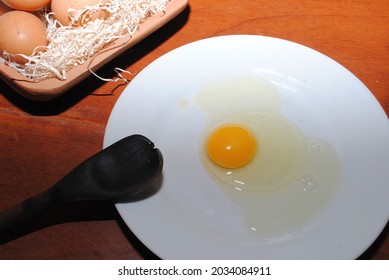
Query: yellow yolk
{"x":231,"y":146}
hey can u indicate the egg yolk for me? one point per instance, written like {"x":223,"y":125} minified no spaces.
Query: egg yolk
{"x":231,"y":146}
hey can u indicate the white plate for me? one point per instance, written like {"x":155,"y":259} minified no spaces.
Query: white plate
{"x":190,"y":218}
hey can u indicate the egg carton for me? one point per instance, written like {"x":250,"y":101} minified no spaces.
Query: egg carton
{"x":53,"y":87}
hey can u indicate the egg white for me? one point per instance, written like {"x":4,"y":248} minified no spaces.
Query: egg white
{"x":292,"y":176}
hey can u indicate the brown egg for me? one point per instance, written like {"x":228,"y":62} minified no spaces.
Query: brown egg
{"x":20,"y":33}
{"x":4,"y":8}
{"x":60,"y":9}
{"x":27,"y":5}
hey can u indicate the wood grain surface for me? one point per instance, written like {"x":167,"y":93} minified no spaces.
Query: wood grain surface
{"x":41,"y":141}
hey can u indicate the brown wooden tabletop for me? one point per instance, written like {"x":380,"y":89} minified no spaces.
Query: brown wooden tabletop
{"x":41,"y":141}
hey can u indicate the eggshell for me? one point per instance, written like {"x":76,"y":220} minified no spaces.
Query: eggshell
{"x":20,"y":33}
{"x":27,"y":5}
{"x":4,"y":8}
{"x":60,"y":9}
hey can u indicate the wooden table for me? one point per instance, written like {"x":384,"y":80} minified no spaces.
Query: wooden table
{"x":41,"y":142}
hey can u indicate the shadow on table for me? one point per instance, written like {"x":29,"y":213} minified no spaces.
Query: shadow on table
{"x":75,"y":212}
{"x":90,"y":84}
{"x":372,"y":250}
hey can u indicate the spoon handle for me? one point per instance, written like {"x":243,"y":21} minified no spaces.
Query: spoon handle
{"x":26,"y":209}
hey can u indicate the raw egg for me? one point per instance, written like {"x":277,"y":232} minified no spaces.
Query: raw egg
{"x":279,"y":177}
{"x":27,"y":5}
{"x":60,"y":8}
{"x":21,"y":33}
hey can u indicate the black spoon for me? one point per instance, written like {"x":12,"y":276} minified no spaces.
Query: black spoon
{"x":125,"y":171}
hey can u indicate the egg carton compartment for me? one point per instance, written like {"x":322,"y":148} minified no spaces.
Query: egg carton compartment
{"x":53,"y":87}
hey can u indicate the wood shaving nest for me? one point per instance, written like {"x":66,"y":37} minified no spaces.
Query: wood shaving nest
{"x":75,"y":44}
